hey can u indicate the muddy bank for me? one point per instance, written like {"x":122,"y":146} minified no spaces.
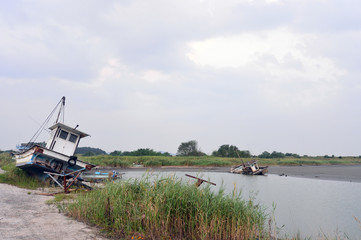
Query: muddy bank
{"x":333,"y":172}
{"x":24,"y":215}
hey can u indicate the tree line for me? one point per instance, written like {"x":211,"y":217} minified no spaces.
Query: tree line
{"x":189,"y":148}
{"x":140,"y":152}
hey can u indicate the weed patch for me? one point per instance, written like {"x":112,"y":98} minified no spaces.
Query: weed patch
{"x":168,"y":208}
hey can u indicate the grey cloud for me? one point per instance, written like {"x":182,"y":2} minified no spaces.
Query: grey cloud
{"x":53,"y":48}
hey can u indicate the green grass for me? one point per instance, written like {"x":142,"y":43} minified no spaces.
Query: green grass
{"x":168,"y":209}
{"x":16,"y":176}
{"x":158,"y":161}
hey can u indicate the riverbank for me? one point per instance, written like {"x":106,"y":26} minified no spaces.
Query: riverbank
{"x":349,"y":173}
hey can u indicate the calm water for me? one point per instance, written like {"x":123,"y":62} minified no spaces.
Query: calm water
{"x":308,"y":206}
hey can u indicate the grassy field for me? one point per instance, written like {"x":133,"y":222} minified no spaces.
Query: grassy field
{"x":16,"y":176}
{"x":168,"y":209}
{"x":158,"y":161}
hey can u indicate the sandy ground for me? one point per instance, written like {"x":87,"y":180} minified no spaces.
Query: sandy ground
{"x":24,"y":215}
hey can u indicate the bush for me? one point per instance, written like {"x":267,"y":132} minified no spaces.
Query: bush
{"x":168,"y":209}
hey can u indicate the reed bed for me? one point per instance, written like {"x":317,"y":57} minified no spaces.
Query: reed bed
{"x":168,"y":209}
{"x":158,"y":161}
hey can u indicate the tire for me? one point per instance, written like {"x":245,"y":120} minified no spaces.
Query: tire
{"x":72,"y":161}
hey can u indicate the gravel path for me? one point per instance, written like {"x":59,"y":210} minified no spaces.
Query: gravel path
{"x":25,"y":215}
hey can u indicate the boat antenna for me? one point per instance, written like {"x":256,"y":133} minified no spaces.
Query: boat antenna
{"x":38,"y":132}
{"x":244,"y":165}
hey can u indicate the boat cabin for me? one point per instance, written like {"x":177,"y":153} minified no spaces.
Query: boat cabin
{"x":64,"y":139}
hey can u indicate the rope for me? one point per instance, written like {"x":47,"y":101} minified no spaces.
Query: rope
{"x":38,"y":132}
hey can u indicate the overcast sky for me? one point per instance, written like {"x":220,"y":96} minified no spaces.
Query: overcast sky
{"x":263,"y":75}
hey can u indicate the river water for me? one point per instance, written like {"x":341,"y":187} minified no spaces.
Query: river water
{"x":309,"y":207}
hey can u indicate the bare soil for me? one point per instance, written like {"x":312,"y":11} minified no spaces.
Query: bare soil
{"x":25,"y":215}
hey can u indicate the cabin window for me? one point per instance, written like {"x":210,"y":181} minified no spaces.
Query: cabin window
{"x":73,"y":138}
{"x":63,"y":134}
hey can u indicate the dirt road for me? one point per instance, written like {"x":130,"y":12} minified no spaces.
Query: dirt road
{"x":24,"y":215}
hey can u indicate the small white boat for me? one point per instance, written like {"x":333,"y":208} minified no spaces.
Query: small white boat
{"x":99,"y":176}
{"x":58,"y":154}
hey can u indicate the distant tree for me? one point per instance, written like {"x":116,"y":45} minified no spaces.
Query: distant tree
{"x":227,"y":150}
{"x":146,"y":152}
{"x":140,"y":152}
{"x":116,"y":153}
{"x":189,"y":148}
{"x":88,"y":154}
{"x":275,"y":154}
{"x":292,"y":155}
{"x":127,"y":153}
{"x":166,"y":154}
{"x":265,"y":154}
{"x":87,"y":150}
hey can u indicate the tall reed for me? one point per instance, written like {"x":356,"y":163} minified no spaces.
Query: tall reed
{"x":168,"y":209}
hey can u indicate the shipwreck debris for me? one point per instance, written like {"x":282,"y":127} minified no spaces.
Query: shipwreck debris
{"x":200,"y":180}
{"x":249,"y":168}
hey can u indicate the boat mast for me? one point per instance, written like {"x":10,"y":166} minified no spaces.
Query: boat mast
{"x":244,"y":165}
{"x":62,"y":109}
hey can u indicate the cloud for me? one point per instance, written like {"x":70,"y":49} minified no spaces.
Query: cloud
{"x":292,"y":75}
{"x":155,"y":73}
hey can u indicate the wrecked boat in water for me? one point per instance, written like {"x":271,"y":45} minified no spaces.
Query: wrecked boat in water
{"x":58,"y":154}
{"x":250,"y":168}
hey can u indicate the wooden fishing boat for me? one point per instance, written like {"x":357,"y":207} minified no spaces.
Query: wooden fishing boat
{"x":58,"y":154}
{"x":250,"y":168}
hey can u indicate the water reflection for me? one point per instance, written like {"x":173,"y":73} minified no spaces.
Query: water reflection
{"x":308,"y":206}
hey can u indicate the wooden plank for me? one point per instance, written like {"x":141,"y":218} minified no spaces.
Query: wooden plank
{"x":200,"y":180}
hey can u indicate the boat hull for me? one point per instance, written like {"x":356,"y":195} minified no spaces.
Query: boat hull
{"x":259,"y":171}
{"x":38,"y":160}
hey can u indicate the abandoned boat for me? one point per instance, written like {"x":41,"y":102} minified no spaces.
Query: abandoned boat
{"x":250,"y":168}
{"x":99,"y":176}
{"x":58,"y":154}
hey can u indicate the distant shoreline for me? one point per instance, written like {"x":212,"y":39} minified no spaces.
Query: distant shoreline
{"x":348,"y":173}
